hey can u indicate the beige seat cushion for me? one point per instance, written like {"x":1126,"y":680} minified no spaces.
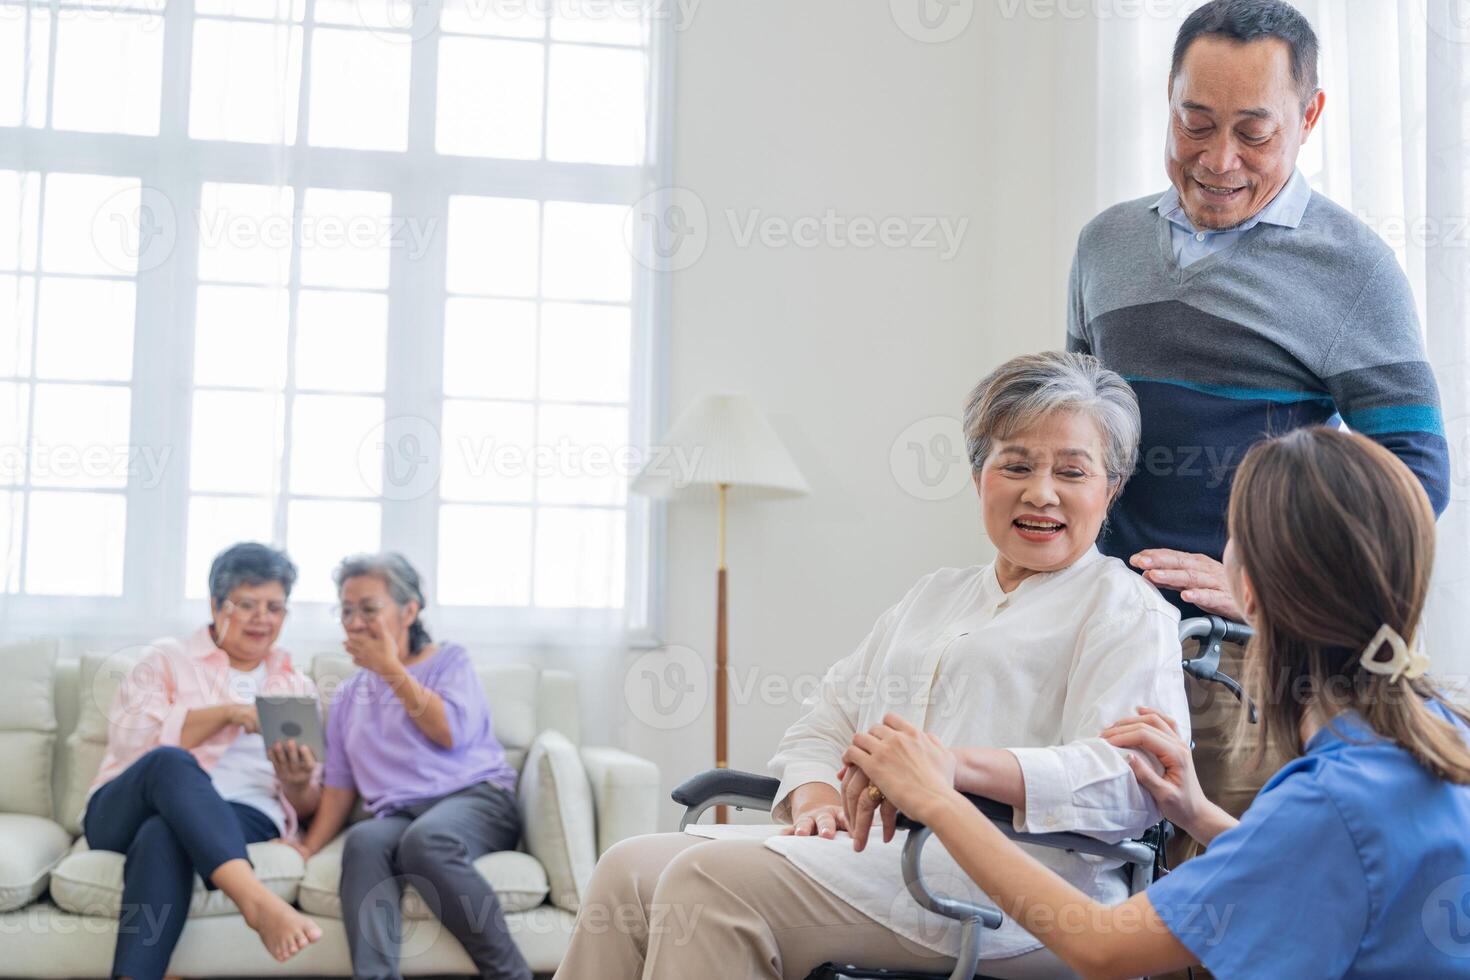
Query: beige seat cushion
{"x":557,"y":813}
{"x":90,"y":882}
{"x":27,"y":727}
{"x":29,"y":848}
{"x":517,"y":878}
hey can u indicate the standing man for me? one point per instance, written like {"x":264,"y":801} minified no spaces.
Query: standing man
{"x":1240,"y":305}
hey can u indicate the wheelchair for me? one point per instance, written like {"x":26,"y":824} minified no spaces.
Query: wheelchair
{"x":1143,"y":857}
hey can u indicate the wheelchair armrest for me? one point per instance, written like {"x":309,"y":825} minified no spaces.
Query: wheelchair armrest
{"x":1139,"y":853}
{"x":724,"y":787}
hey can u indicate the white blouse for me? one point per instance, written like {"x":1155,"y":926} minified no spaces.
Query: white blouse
{"x":1040,"y":670}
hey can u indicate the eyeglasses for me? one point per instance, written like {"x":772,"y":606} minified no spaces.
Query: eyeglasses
{"x":247,"y":608}
{"x":368,"y":610}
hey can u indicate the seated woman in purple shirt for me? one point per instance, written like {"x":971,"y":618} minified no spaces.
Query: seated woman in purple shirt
{"x":410,"y":733}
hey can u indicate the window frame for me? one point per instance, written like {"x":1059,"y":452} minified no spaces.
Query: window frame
{"x":420,"y":182}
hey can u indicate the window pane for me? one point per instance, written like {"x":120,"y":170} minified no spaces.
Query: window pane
{"x":498,"y":19}
{"x":602,"y":22}
{"x":492,"y":246}
{"x":583,"y":252}
{"x":489,"y":98}
{"x":588,"y":452}
{"x":484,"y":556}
{"x":109,"y":71}
{"x":335,"y":446}
{"x":79,"y":437}
{"x":20,"y":209}
{"x":585,"y":352}
{"x":235,"y":443}
{"x":245,"y":233}
{"x":259,"y":9}
{"x":385,"y":14}
{"x":11,"y":511}
{"x":595,"y":106}
{"x":245,"y":81}
{"x":359,"y":90}
{"x":14,"y":402}
{"x":320,"y":533}
{"x":341,"y":340}
{"x":215,"y":523}
{"x":15,"y":65}
{"x":579,"y":558}
{"x":487,"y":451}
{"x":91,"y":224}
{"x":240,"y":336}
{"x":85,"y":329}
{"x":490,"y":348}
{"x":75,"y":543}
{"x":345,"y":237}
{"x":17,"y":298}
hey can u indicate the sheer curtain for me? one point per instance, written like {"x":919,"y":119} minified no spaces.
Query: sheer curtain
{"x":1393,"y":147}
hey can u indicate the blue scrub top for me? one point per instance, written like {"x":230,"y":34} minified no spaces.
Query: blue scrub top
{"x":1353,"y":861}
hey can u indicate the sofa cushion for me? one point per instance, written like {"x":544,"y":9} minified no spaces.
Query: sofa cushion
{"x":556,"y":811}
{"x":29,"y":848}
{"x":90,"y":882}
{"x":98,"y":677}
{"x":517,"y":878}
{"x":27,"y":727}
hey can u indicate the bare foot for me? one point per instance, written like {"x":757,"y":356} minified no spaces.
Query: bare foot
{"x":284,"y":931}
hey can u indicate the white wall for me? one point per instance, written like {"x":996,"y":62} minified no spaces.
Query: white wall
{"x":793,"y":107}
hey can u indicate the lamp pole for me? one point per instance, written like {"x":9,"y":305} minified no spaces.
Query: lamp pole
{"x":722,"y":653}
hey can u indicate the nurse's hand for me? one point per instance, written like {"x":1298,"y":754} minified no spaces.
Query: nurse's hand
{"x":1199,"y":579}
{"x":1176,"y":790}
{"x":912,"y":768}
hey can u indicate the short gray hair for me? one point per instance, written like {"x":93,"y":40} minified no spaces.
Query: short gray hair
{"x":1025,"y":389}
{"x":249,"y":563}
{"x":402,"y":580}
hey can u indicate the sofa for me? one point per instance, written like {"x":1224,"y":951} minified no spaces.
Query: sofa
{"x":59,"y":901}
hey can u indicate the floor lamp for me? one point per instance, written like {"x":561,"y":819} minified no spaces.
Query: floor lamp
{"x":721,"y":447}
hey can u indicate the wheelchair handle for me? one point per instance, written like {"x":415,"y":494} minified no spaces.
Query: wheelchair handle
{"x":1212,"y":632}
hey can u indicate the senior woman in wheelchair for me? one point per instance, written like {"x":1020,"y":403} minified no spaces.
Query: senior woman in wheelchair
{"x":1022,"y":661}
{"x":1351,"y":861}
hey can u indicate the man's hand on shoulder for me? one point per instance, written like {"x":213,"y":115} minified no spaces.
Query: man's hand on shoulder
{"x":1199,"y":579}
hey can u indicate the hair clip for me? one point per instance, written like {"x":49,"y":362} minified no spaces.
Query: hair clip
{"x":1403,"y":663}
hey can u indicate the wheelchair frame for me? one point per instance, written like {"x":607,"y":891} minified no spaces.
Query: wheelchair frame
{"x":749,"y":791}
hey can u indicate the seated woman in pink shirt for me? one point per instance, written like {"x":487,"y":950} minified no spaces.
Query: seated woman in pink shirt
{"x":186,"y":782}
{"x":411,"y":735}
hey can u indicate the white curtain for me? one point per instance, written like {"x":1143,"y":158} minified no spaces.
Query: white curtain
{"x":1393,"y":147}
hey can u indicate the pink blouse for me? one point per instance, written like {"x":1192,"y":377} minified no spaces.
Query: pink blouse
{"x":173,"y":678}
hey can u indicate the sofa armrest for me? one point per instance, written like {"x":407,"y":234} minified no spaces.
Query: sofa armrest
{"x":625,"y":793}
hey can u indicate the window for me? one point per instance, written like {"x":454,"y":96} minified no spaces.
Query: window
{"x":337,"y":274}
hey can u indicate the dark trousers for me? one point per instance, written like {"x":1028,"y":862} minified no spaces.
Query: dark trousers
{"x":431,"y":846}
{"x":164,"y":814}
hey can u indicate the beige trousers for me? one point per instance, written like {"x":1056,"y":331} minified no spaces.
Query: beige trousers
{"x":676,"y":906}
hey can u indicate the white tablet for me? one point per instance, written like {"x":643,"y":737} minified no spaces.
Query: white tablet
{"x":284,"y":717}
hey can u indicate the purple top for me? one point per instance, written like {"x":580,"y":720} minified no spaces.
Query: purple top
{"x":374,"y":748}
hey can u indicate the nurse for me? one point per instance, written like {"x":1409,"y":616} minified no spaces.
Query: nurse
{"x":1353,"y":859}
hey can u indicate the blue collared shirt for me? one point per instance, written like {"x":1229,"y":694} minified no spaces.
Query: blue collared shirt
{"x":1192,"y":244}
{"x":1351,"y":862}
